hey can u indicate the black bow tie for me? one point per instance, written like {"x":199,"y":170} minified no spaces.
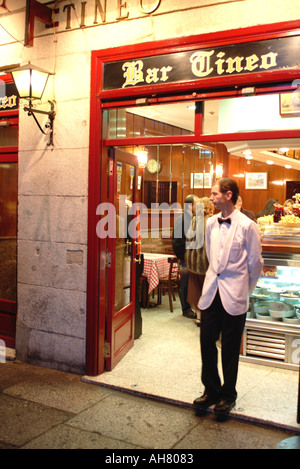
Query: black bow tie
{"x":221,"y":220}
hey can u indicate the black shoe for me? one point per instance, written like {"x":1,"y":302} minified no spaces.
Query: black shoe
{"x":222,"y":408}
{"x":190,"y":314}
{"x":202,"y":403}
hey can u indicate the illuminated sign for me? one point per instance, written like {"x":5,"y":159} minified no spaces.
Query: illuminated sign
{"x":9,"y":98}
{"x":245,"y":58}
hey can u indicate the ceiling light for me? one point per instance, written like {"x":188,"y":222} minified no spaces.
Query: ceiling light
{"x":249,"y":157}
{"x":142,"y":156}
{"x":284,"y":149}
{"x":270,"y":162}
{"x":219,"y":171}
{"x":278,"y":183}
{"x":287,"y":166}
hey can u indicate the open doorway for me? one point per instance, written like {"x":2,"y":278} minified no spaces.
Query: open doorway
{"x":174,"y":170}
{"x":189,"y":145}
{"x":187,"y":165}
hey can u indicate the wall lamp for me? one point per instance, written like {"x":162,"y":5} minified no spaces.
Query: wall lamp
{"x":142,"y":156}
{"x":31,"y":82}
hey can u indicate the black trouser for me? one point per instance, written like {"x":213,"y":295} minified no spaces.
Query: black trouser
{"x":183,"y":291}
{"x":215,"y":320}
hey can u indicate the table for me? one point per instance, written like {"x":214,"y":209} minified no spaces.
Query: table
{"x":156,"y":266}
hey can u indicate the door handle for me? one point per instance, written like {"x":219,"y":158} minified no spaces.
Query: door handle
{"x":139,"y":260}
{"x":127,"y":248}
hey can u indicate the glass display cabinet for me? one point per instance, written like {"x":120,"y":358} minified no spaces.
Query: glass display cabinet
{"x":272,"y":331}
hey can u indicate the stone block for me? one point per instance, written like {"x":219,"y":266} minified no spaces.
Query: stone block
{"x":56,"y":351}
{"x":55,"y":219}
{"x":45,"y":264}
{"x":57,"y":172}
{"x":52,"y":310}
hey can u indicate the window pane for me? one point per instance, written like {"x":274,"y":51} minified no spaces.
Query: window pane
{"x":8,"y":230}
{"x":8,"y":135}
{"x":252,"y":113}
{"x":151,"y":121}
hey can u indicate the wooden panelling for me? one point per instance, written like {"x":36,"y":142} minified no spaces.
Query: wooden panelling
{"x":185,"y":161}
{"x":255,"y":199}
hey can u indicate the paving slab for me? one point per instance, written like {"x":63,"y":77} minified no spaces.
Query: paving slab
{"x":21,"y":421}
{"x":66,"y":437}
{"x":148,"y":424}
{"x":64,"y":392}
{"x":229,"y":434}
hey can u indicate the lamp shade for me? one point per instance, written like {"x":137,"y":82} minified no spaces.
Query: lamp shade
{"x":142,"y":156}
{"x":30,"y":81}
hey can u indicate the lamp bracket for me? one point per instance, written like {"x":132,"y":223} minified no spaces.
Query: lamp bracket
{"x":51,"y":116}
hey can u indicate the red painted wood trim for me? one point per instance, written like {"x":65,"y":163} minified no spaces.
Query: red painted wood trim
{"x":8,"y":306}
{"x":95,"y":326}
{"x":34,"y":10}
{"x":8,"y":158}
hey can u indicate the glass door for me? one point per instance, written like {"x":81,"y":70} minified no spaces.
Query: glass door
{"x":121,"y":255}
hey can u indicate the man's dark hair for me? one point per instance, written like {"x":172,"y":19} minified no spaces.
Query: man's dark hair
{"x":227,"y":184}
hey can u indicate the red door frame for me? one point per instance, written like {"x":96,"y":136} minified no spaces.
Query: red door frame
{"x":266,"y":82}
{"x":8,"y":309}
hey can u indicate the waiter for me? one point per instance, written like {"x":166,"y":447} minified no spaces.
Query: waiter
{"x":234,"y":252}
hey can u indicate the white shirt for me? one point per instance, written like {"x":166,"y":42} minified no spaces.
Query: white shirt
{"x":224,"y":228}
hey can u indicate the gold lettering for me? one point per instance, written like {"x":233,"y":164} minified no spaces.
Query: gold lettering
{"x":98,"y":7}
{"x":152,"y":10}
{"x":6,"y":102}
{"x":201,"y":63}
{"x":268,"y":60}
{"x":120,"y":6}
{"x":12,"y":101}
{"x":3,"y":102}
{"x":82,"y":23}
{"x":234,"y":65}
{"x":251,"y":62}
{"x":133,"y":73}
{"x":68,"y":8}
{"x":219,"y":63}
{"x":152,"y":75}
{"x":164,"y":71}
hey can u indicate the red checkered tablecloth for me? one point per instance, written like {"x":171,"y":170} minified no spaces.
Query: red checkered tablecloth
{"x":156,"y":266}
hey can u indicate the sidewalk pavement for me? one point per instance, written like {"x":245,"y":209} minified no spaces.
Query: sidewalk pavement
{"x":42,"y":408}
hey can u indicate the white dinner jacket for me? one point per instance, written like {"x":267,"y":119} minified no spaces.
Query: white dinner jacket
{"x":236,"y":272}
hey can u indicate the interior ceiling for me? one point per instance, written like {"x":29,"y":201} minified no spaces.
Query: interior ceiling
{"x":181,"y":115}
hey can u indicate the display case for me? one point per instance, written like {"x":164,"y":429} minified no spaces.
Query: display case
{"x":272,"y":330}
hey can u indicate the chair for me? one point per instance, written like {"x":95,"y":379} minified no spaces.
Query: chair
{"x":170,"y":283}
{"x":145,"y":297}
